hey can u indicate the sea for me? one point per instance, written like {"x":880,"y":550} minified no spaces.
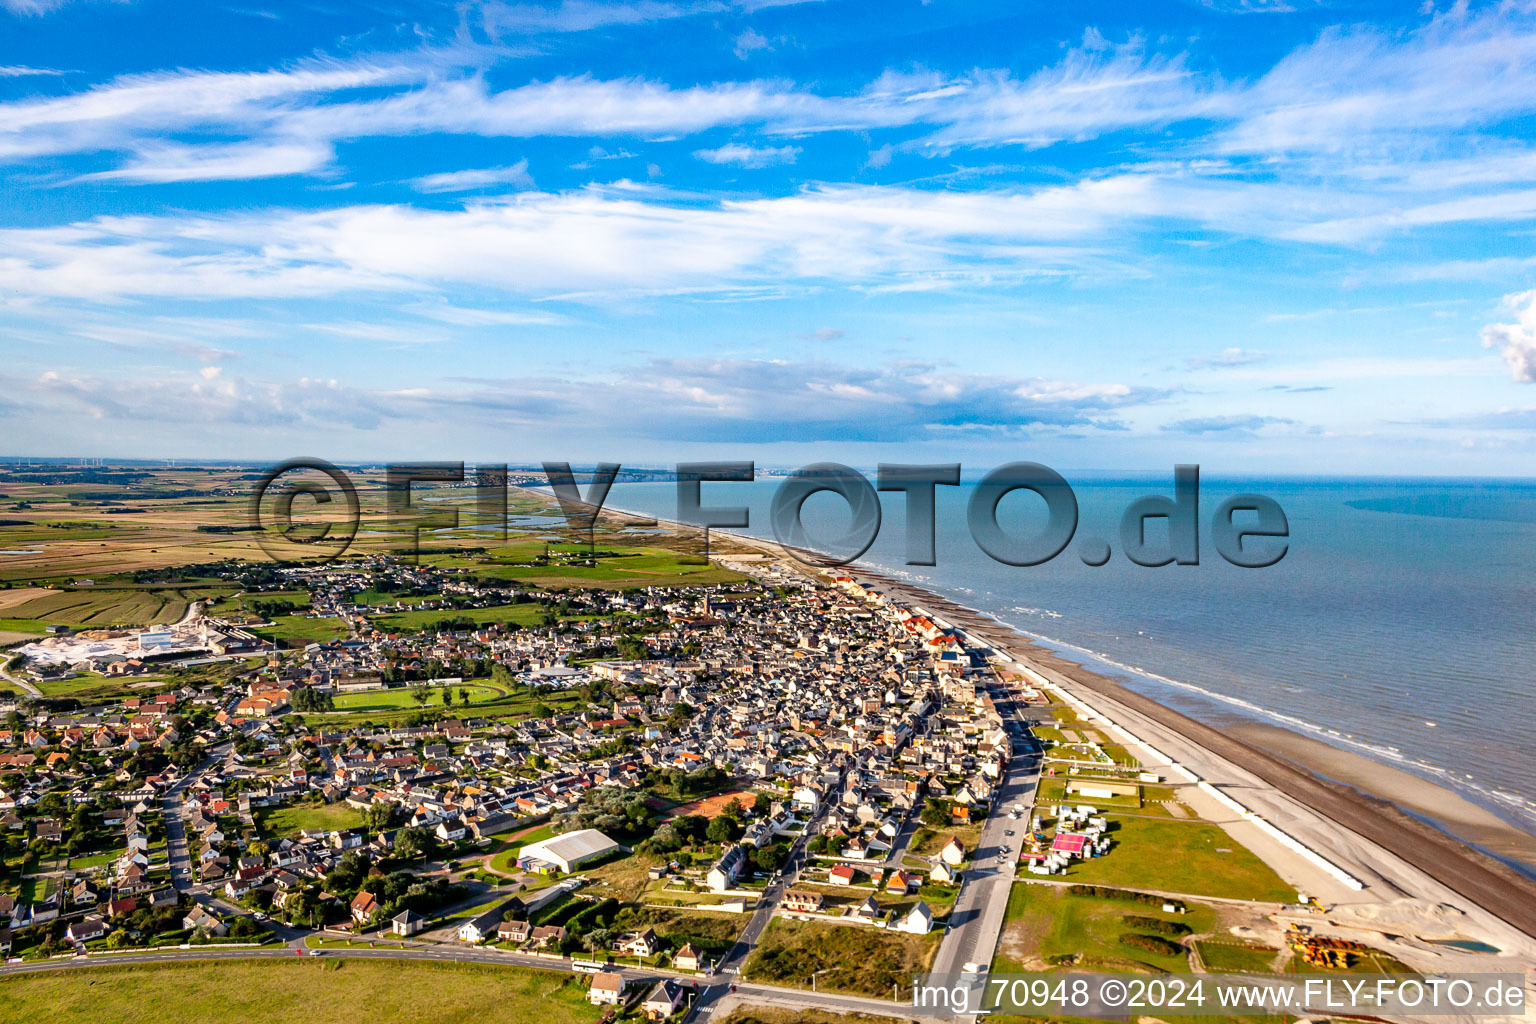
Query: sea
{"x":1400,"y":624}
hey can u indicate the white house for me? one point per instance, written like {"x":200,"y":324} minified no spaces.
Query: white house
{"x":917,"y":921}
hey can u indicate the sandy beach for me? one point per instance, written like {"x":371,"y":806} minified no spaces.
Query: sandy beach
{"x":1460,"y":816}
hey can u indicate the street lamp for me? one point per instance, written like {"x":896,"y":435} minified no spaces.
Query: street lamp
{"x":814,"y":976}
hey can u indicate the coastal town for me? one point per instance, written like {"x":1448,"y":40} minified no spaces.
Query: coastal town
{"x":784,"y":787}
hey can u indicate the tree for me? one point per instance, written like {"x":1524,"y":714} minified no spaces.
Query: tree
{"x":723,"y":829}
{"x":936,"y":813}
{"x":377,"y":817}
{"x":411,"y":843}
{"x":769,"y":859}
{"x":762,"y":805}
{"x":464,"y":696}
{"x":421,"y":694}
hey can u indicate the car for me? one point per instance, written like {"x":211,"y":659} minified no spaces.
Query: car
{"x":1008,"y":832}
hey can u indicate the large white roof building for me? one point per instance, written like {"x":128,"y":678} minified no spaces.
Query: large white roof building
{"x":566,"y":852}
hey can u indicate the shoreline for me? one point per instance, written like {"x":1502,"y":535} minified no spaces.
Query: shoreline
{"x":1484,"y":880}
{"x":1334,"y":788}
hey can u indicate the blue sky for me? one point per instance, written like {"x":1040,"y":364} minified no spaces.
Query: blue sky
{"x":1266,"y":237}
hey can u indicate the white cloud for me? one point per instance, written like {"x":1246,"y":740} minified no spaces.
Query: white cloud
{"x":744,"y":400}
{"x":585,"y":15}
{"x":30,"y":8}
{"x":750,"y":42}
{"x":1227,"y":357}
{"x":22,"y":71}
{"x":588,"y":243}
{"x":1516,"y":341}
{"x":469,"y":180}
{"x":749,"y":156}
{"x":241,"y":161}
{"x":142,"y":108}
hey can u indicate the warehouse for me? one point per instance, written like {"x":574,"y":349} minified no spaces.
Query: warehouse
{"x":566,"y":852}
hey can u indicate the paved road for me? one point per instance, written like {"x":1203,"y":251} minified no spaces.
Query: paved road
{"x":788,"y":875}
{"x":13,"y":680}
{"x":175,"y":825}
{"x":977,"y":918}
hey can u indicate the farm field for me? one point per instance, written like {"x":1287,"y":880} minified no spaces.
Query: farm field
{"x":92,"y":607}
{"x":335,"y":990}
{"x":1190,"y":857}
{"x":93,"y":686}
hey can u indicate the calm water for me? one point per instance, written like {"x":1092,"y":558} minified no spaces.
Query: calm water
{"x":1401,"y":625}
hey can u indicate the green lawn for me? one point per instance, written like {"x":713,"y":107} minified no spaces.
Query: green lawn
{"x":506,"y":860}
{"x":1232,"y":957}
{"x":517,"y":705}
{"x":1181,"y":856}
{"x":329,"y":817}
{"x":331,"y":990}
{"x":631,"y":566}
{"x":299,"y":630}
{"x":525,"y":614}
{"x":401,"y":697}
{"x":1044,"y":924}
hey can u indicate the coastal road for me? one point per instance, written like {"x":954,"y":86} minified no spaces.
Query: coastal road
{"x":976,"y":921}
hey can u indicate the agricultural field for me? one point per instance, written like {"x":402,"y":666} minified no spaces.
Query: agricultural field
{"x":856,"y":959}
{"x":97,"y":607}
{"x":333,"y":990}
{"x":91,"y":686}
{"x":1191,"y":857}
